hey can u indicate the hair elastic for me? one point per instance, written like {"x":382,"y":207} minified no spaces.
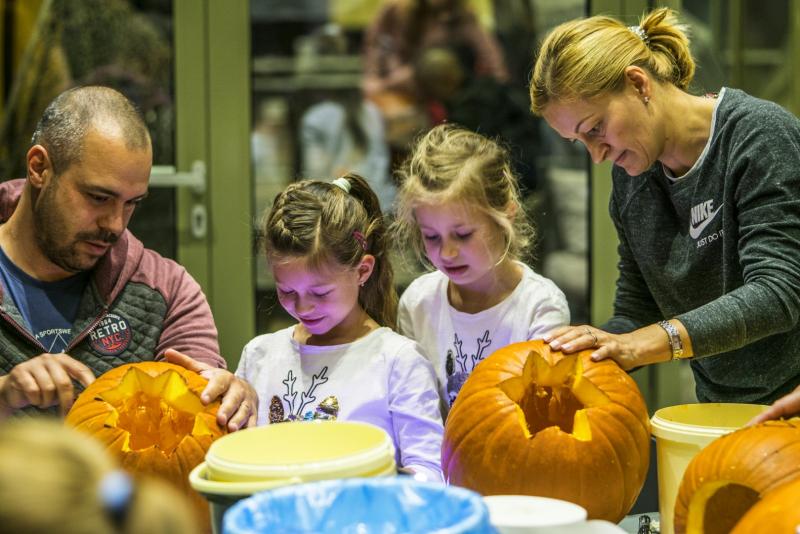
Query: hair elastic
{"x":358,"y":236}
{"x":640,"y":33}
{"x":342,"y":183}
{"x":115,"y":491}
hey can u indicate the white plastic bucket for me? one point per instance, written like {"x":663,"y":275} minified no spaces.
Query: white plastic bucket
{"x":526,"y":514}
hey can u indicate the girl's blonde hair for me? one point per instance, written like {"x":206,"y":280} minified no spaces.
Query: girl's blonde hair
{"x":448,"y":164}
{"x":50,"y":481}
{"x":321,"y":222}
{"x":584,"y":58}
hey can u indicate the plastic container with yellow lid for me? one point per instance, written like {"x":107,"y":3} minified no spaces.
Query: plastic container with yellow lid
{"x":683,"y":431}
{"x":256,"y":459}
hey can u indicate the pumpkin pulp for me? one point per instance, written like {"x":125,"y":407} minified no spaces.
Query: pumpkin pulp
{"x":553,"y":393}
{"x":717,"y":506}
{"x":155,"y":411}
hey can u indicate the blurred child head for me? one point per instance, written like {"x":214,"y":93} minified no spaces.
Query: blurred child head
{"x":459,"y":205}
{"x":326,"y":245}
{"x":56,"y":479}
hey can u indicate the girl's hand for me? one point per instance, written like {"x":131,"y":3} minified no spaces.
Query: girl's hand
{"x":642,"y":347}
{"x":239,"y":401}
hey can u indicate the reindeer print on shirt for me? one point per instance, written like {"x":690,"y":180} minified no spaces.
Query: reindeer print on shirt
{"x":327,"y":409}
{"x":465,"y":363}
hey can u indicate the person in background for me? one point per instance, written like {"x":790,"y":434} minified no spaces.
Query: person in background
{"x":704,"y":200}
{"x":326,"y":245}
{"x":346,"y":135}
{"x":458,"y":208}
{"x":484,"y":105}
{"x":394,"y":42}
{"x":56,"y":479}
{"x":405,"y":28}
{"x":344,"y":132}
{"x":79,"y":294}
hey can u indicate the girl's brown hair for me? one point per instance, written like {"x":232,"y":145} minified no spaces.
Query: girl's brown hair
{"x":450,"y":163}
{"x":584,"y":58}
{"x":321,"y":222}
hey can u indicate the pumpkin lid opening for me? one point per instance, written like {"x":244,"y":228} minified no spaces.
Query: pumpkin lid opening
{"x":553,"y":393}
{"x":155,"y":411}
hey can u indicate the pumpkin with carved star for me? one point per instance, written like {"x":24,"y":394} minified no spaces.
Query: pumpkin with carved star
{"x":532,"y":421}
{"x":150,"y":416}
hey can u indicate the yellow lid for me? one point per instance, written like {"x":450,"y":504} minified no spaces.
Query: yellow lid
{"x":311,"y":450}
{"x":705,"y":420}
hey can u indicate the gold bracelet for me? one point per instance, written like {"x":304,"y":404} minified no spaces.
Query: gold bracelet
{"x":674,"y":337}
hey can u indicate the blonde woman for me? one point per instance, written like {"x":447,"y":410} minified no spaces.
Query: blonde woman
{"x":459,"y":209}
{"x":55,"y":479}
{"x":705,"y":202}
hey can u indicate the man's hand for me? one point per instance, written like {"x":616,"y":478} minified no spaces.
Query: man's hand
{"x":43,"y":381}
{"x":239,"y":406}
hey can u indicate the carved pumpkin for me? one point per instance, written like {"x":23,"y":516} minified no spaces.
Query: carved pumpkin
{"x":777,"y":512}
{"x":150,"y":416}
{"x":733,"y":472}
{"x":535,"y":422}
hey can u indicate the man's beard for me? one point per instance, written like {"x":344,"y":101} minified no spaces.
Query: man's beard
{"x":51,"y":235}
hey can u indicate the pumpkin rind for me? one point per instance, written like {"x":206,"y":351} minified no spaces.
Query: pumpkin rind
{"x":600,"y":464}
{"x":761,"y":458}
{"x":98,"y":416}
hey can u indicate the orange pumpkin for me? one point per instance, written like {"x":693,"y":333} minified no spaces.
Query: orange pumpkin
{"x":150,"y":416}
{"x":733,"y":473}
{"x":533,"y":421}
{"x":777,"y":512}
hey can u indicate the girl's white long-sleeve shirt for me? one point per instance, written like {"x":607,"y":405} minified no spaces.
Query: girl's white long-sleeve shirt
{"x":381,"y":378}
{"x":455,"y":341}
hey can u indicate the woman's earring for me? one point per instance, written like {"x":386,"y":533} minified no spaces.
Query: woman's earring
{"x":646,"y":100}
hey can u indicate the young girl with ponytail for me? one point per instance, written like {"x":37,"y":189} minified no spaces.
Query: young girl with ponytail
{"x":326,"y":245}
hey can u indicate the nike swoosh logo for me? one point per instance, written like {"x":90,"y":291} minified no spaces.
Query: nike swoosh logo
{"x":695,"y":231}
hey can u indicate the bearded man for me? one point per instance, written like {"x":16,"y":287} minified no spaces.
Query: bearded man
{"x":79,"y":294}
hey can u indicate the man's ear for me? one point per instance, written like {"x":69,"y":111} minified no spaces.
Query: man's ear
{"x":40,"y":166}
{"x":365,"y":268}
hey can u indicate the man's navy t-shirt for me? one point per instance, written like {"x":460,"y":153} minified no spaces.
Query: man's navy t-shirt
{"x":49,"y":308}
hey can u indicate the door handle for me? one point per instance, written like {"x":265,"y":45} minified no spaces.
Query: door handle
{"x":168,"y":176}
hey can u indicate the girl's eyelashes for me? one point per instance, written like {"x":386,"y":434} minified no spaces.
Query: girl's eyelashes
{"x":320,"y":294}
{"x":458,"y":235}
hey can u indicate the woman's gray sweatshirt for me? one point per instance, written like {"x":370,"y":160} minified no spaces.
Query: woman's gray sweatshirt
{"x":719,"y":249}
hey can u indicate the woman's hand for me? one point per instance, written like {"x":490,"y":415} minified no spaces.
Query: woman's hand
{"x":786,"y":406}
{"x":641,"y":347}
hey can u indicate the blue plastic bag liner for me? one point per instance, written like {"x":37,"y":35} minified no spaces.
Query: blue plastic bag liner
{"x":397,"y":505}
